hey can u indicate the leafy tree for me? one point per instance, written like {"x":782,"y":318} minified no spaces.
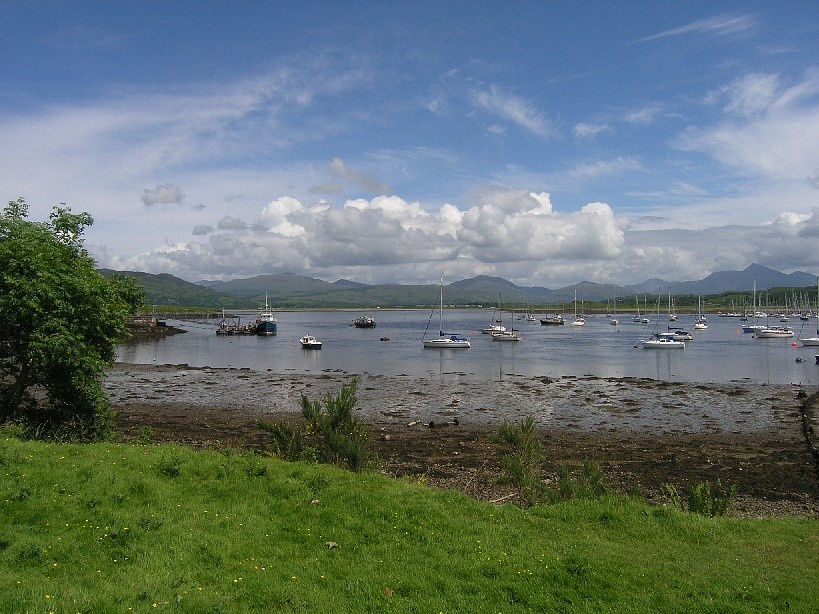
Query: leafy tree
{"x":61,"y":321}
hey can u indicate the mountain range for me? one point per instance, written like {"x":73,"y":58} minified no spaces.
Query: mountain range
{"x":287,"y":290}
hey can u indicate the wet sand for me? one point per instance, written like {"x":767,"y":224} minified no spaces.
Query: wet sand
{"x":643,"y":433}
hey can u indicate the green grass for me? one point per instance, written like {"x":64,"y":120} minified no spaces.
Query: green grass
{"x":119,"y":528}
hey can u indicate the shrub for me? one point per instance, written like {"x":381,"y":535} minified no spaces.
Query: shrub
{"x":589,"y":484}
{"x":336,"y":436}
{"x":521,"y":465}
{"x":703,"y":499}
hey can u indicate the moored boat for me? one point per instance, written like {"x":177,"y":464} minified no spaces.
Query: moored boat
{"x":444,"y":340}
{"x":774,"y":332}
{"x":364,"y":321}
{"x":309,"y":342}
{"x":266,"y":323}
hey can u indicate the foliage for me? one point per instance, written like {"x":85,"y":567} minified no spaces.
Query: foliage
{"x":704,"y":500}
{"x":99,"y":528}
{"x":339,"y":438}
{"x":590,"y":483}
{"x":61,"y":323}
{"x":522,"y":462}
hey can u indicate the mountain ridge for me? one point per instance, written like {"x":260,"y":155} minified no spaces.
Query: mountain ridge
{"x":289,"y":290}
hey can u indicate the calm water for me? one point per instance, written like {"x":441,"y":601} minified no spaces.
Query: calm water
{"x":721,"y":353}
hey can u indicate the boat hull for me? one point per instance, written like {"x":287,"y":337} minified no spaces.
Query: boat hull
{"x":447,"y":343}
{"x":266,"y":328}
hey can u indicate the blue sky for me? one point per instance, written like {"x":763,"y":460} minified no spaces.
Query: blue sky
{"x":544,"y":142}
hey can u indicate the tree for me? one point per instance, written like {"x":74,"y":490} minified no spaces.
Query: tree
{"x":60,"y":322}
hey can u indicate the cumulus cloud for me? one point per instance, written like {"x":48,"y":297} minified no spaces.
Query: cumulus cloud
{"x":508,"y":232}
{"x":167,"y":194}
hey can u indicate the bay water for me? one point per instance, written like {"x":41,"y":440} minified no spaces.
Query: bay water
{"x":721,"y":353}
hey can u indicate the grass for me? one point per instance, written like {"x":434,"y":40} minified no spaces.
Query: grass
{"x":145,"y":528}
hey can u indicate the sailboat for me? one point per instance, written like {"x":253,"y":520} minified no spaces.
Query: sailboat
{"x":756,"y":326}
{"x":495,"y":324}
{"x":672,"y":317}
{"x":812,"y":341}
{"x":578,"y":319}
{"x":638,"y":318}
{"x":701,"y":323}
{"x":661,"y":341}
{"x":507,"y":335}
{"x":444,"y":340}
{"x":614,"y":321}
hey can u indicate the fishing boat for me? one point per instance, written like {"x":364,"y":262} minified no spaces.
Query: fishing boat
{"x":266,"y":323}
{"x":364,"y":322}
{"x":444,"y":340}
{"x":555,"y":320}
{"x":309,"y":342}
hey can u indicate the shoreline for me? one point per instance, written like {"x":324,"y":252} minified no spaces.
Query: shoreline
{"x":642,"y":433}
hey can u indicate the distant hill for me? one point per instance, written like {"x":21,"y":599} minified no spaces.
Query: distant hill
{"x":164,"y":289}
{"x":287,"y":290}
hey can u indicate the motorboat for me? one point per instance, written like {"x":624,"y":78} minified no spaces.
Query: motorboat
{"x":774,"y":332}
{"x":309,"y":342}
{"x":662,"y":342}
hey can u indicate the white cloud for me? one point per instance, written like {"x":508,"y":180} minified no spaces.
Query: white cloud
{"x":719,"y":25}
{"x":776,"y":137}
{"x":513,"y":108}
{"x":587,"y":131}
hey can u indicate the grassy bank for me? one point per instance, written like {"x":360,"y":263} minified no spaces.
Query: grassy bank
{"x":118,"y":528}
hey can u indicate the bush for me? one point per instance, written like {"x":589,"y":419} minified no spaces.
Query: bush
{"x":703,"y":499}
{"x":589,"y":484}
{"x":522,"y":463}
{"x":339,"y":437}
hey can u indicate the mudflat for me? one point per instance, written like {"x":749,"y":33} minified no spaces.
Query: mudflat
{"x":642,"y":433}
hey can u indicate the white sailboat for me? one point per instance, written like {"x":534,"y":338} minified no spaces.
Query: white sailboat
{"x":444,"y":340}
{"x":614,"y":321}
{"x":579,"y":320}
{"x":662,"y":341}
{"x":812,"y":341}
{"x":701,"y":323}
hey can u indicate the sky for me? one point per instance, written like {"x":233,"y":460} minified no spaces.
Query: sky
{"x":395,"y":142}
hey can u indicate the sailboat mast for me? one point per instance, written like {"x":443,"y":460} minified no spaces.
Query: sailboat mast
{"x":441,"y":311}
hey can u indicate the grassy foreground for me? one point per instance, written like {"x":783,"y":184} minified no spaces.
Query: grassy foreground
{"x":120,"y":528}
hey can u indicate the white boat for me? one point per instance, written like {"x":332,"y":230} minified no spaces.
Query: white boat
{"x":662,"y":342}
{"x":507,"y":335}
{"x":679,"y":335}
{"x":579,"y":320}
{"x":812,"y":341}
{"x":774,"y":332}
{"x":444,"y":340}
{"x":495,"y":325}
{"x":309,"y":342}
{"x":701,"y":323}
{"x":613,"y":320}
